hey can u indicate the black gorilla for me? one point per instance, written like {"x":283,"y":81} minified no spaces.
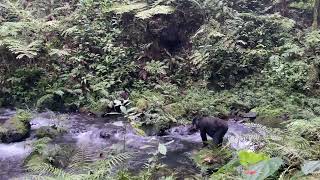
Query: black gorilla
{"x":216,"y":128}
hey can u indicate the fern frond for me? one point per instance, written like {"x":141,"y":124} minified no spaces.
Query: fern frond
{"x":70,"y":31}
{"x":161,"y":2}
{"x":45,"y":169}
{"x":81,"y":159}
{"x":29,"y":51}
{"x":121,"y":9}
{"x":161,"y":9}
{"x":58,"y":52}
{"x":104,"y":167}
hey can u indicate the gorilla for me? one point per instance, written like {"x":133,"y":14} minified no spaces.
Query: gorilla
{"x":216,"y":128}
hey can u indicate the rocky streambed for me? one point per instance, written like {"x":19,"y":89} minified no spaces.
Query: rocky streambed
{"x":97,"y":135}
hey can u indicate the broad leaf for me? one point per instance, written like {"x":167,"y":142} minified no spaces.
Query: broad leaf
{"x":123,"y":110}
{"x":248,"y":158}
{"x":137,"y":128}
{"x":263,"y":169}
{"x":162,"y":149}
{"x":310,"y":167}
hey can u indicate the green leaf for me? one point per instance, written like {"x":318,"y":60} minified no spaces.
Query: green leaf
{"x":59,"y":92}
{"x":248,"y":158}
{"x":310,"y":167}
{"x":263,"y":169}
{"x":162,"y":149}
{"x":123,"y":109}
{"x":137,"y":128}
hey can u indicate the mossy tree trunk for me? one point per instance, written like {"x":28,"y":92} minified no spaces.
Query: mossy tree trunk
{"x":315,"y":14}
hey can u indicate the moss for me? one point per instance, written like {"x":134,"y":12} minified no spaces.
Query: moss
{"x":21,"y":121}
{"x":48,"y":131}
{"x":209,"y":159}
{"x":270,"y":116}
{"x":46,"y":102}
{"x":16,"y":128}
{"x":269,"y":111}
{"x":142,"y":104}
{"x":45,"y":152}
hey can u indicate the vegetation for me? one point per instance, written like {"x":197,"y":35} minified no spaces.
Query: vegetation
{"x":160,"y":62}
{"x":16,"y":129}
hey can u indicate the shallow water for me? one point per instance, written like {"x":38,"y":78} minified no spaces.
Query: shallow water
{"x":96,"y":135}
{"x":85,"y":132}
{"x":11,"y":158}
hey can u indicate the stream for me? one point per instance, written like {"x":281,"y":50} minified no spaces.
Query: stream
{"x":97,"y":135}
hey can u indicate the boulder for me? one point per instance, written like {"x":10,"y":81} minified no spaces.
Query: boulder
{"x":48,"y":131}
{"x":16,"y":128}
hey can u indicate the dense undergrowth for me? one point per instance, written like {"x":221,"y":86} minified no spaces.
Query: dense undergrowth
{"x":172,"y":59}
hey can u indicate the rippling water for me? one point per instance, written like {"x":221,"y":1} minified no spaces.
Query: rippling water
{"x":85,"y":132}
{"x":97,"y":134}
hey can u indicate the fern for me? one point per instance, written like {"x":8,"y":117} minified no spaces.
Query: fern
{"x":59,"y":52}
{"x":292,"y":148}
{"x":17,"y":38}
{"x":81,"y":159}
{"x":162,"y":2}
{"x":83,"y":165}
{"x":121,"y":9}
{"x":161,"y":9}
{"x":143,"y":11}
{"x":103,"y":168}
{"x":29,"y":51}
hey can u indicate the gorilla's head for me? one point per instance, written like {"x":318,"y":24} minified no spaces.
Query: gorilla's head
{"x":195,"y":123}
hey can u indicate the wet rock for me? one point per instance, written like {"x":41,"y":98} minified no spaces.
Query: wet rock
{"x":180,"y":130}
{"x":250,"y":115}
{"x":242,"y":136}
{"x":16,"y":128}
{"x":105,"y":135}
{"x":118,"y":123}
{"x":48,"y":131}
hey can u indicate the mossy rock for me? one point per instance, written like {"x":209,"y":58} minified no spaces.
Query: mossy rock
{"x":175,"y":109}
{"x":16,"y":128}
{"x":213,"y":158}
{"x":50,"y":101}
{"x":271,"y":116}
{"x":269,"y":111}
{"x":58,"y":155}
{"x":49,"y":131}
{"x":51,"y":154}
{"x":142,"y":105}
